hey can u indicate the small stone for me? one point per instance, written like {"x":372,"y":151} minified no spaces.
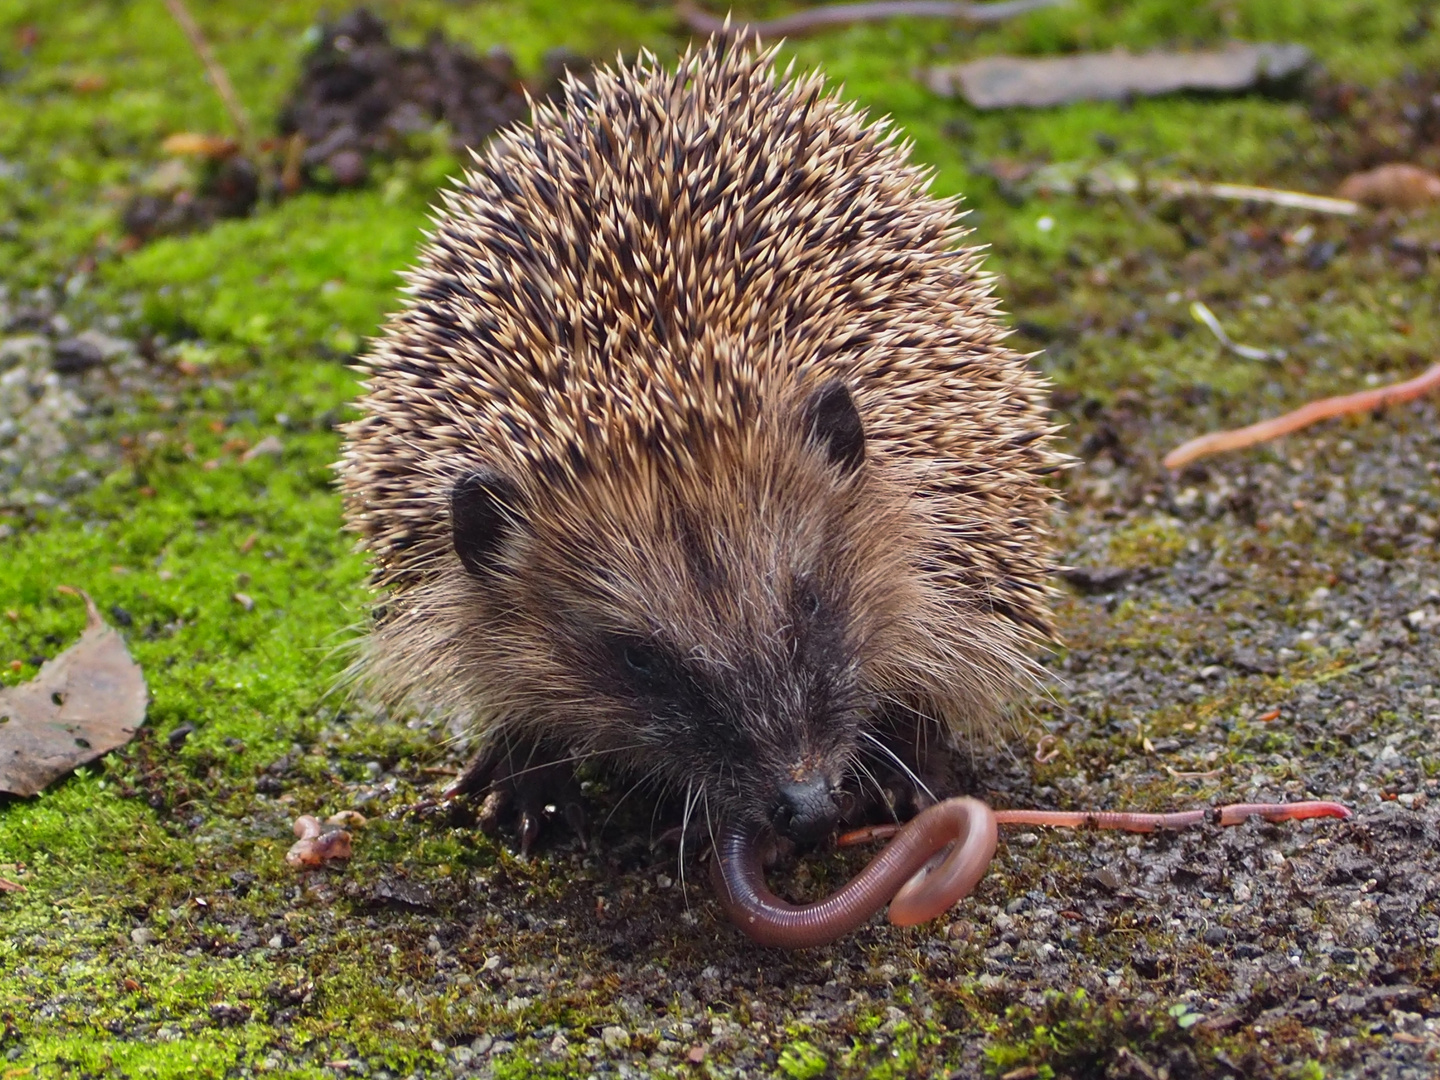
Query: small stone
{"x":270,"y":446}
{"x":492,"y":963}
{"x":1390,"y":756}
{"x":74,"y":355}
{"x":1216,"y":935}
{"x":615,"y":1038}
{"x":142,"y":936}
{"x":1106,"y":878}
{"x":347,"y":167}
{"x":559,"y":1044}
{"x":481,"y":1045}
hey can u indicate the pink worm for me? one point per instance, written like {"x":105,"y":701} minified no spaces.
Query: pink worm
{"x":901,"y":873}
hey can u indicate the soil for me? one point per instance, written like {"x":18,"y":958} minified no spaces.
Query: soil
{"x":359,"y":99}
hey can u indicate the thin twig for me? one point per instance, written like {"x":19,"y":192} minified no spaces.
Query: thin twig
{"x":1295,"y":200}
{"x":1365,"y":401}
{"x":218,"y":78}
{"x":821,"y":18}
{"x":1205,"y":317}
{"x":1060,"y":179}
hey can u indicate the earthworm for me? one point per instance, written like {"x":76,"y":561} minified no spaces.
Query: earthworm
{"x":317,"y":847}
{"x":967,"y":826}
{"x":1364,"y":401}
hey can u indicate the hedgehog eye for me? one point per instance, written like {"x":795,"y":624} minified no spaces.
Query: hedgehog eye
{"x":645,"y":666}
{"x":808,"y":600}
{"x":642,"y":660}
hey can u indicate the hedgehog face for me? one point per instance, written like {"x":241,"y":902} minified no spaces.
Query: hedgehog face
{"x":712,"y":620}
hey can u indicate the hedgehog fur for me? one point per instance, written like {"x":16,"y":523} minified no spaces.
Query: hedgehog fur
{"x":696,"y":446}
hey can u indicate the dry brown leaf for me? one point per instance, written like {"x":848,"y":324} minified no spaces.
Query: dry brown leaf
{"x":82,"y":704}
{"x":195,"y":144}
{"x":1397,"y":185}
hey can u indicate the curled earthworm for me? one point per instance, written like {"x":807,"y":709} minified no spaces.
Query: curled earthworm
{"x":1047,"y":749}
{"x":316,"y":846}
{"x":965,"y":825}
{"x":901,"y":871}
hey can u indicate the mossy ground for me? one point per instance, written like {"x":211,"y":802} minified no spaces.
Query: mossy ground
{"x":241,"y":966}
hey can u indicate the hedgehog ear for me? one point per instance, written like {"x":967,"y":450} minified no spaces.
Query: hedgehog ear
{"x":484,"y":508}
{"x":833,"y":423}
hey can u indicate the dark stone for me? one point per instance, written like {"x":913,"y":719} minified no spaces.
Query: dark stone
{"x":1146,"y":966}
{"x":74,"y":355}
{"x":1094,"y":580}
{"x":399,"y":893}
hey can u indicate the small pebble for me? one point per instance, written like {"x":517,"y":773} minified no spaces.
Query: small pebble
{"x":615,"y":1038}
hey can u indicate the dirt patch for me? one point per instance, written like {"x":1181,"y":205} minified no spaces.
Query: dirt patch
{"x":360,"y":98}
{"x":1363,"y":127}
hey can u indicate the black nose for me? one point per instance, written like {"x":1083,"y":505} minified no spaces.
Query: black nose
{"x":804,"y":811}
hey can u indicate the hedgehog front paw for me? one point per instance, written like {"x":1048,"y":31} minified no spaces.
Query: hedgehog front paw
{"x":522,"y":798}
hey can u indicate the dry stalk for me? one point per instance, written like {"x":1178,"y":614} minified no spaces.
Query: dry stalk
{"x":218,"y":78}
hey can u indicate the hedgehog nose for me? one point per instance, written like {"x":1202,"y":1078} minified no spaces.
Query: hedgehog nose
{"x":804,"y":811}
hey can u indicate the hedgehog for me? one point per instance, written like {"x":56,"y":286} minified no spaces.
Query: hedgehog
{"x":696,"y":453}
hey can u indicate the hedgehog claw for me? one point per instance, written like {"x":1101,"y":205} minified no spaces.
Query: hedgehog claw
{"x":527,"y":832}
{"x":521,"y":795}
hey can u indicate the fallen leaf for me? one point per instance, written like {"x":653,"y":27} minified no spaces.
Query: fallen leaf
{"x":194,"y":144}
{"x":82,"y":704}
{"x":10,"y":886}
{"x":1397,"y":185}
{"x":999,"y":82}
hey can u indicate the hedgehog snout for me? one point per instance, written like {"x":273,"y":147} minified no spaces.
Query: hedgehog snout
{"x":804,"y":810}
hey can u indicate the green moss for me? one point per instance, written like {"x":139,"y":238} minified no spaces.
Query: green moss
{"x":801,"y":1060}
{"x":1155,"y":542}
